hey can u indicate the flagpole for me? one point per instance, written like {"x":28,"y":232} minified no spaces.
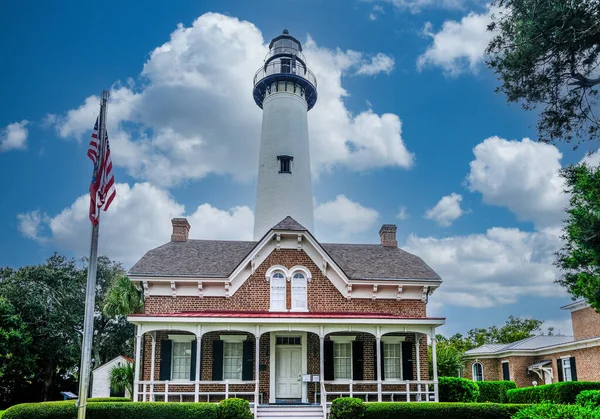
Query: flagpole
{"x":90,"y":291}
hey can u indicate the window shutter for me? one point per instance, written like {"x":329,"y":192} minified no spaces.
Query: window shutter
{"x":382,"y":361}
{"x":357,"y":360}
{"x":505,"y":371}
{"x":407,"y":361}
{"x":193,"y":361}
{"x":248,"y":360}
{"x":573,"y":369}
{"x":217,"y":364}
{"x":328,"y":359}
{"x":559,"y":369}
{"x":166,"y":347}
{"x":375,"y":360}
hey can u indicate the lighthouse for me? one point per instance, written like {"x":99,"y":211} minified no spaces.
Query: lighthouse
{"x":285,"y":89}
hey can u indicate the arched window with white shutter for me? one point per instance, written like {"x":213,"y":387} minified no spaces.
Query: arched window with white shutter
{"x":278,"y":291}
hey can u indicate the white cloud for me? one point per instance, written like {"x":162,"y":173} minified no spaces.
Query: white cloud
{"x":592,"y":159}
{"x":14,"y":136}
{"x":458,"y":47}
{"x":372,"y":16}
{"x":446,"y":210}
{"x":402,"y":214}
{"x":415,"y":6}
{"x":194,"y":115}
{"x":137,"y":221}
{"x":341,"y":218}
{"x":491,"y":269}
{"x":522,"y":176}
{"x":380,"y":63}
{"x":561,"y":327}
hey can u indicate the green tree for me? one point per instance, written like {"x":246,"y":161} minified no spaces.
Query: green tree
{"x":546,"y":55}
{"x":121,"y":378}
{"x":579,"y":258}
{"x":449,"y":359}
{"x":122,"y":298}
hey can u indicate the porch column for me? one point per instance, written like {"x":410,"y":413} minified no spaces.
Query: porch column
{"x":322,"y":369}
{"x":256,"y":370}
{"x":378,"y":349}
{"x":434,"y":360}
{"x":418,"y":349}
{"x":152,"y":367}
{"x":138,"y":355}
{"x":198,"y":363}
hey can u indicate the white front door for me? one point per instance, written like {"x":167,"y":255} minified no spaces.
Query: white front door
{"x":288,"y":372}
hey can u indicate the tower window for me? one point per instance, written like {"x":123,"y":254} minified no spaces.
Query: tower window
{"x":285,"y":164}
{"x":286,"y":66}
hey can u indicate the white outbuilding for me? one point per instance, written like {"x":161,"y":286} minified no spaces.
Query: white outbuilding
{"x":101,"y":377}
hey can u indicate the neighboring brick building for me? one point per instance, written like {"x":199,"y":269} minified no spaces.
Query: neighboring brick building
{"x":543,"y":359}
{"x":284,"y":318}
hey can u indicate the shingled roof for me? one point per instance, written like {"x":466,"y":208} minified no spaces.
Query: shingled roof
{"x":218,"y":258}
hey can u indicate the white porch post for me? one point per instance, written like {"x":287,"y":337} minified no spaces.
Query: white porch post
{"x":378,"y":349}
{"x":198,"y":371}
{"x":256,"y":369}
{"x":152,"y":366}
{"x":322,"y":369}
{"x":138,"y":355}
{"x":434,"y":360}
{"x":418,"y":350}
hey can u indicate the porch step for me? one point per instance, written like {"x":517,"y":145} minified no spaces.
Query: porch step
{"x":290,"y":411}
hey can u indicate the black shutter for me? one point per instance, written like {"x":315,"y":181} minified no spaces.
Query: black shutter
{"x":357,"y":360}
{"x":375,"y":360}
{"x":559,"y":369}
{"x":407,"y":361}
{"x":505,"y":371}
{"x":382,"y":346}
{"x":328,"y":360}
{"x":248,"y":360}
{"x":217,"y":364}
{"x":166,"y":347}
{"x":193,"y":361}
{"x":573,"y":369}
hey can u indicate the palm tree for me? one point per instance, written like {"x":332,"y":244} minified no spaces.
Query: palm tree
{"x":122,"y":298}
{"x":449,"y":361}
{"x":121,"y":378}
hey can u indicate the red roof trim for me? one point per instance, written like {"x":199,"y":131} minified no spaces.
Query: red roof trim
{"x":294,"y":315}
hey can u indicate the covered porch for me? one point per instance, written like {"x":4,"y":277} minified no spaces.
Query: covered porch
{"x":283,"y":358}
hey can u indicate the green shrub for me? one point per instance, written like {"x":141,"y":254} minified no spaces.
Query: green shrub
{"x":235,"y":409}
{"x":557,"y":411}
{"x":1,"y":413}
{"x":67,"y":410}
{"x":402,"y":410}
{"x":588,"y":398}
{"x":108,"y":399}
{"x":347,"y":408}
{"x":494,"y":391}
{"x":563,"y":393}
{"x":454,"y":389}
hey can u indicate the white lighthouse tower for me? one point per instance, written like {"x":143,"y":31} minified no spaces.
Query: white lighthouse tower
{"x":286,"y":90}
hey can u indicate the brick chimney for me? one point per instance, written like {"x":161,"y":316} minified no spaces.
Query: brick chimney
{"x":181,"y":229}
{"x":387,"y":234}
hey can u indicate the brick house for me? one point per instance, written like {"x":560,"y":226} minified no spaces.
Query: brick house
{"x":283,"y":319}
{"x":543,"y":359}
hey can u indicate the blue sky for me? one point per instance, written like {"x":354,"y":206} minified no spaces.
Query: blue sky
{"x":407,"y":130}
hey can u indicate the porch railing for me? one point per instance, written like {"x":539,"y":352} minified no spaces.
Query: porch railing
{"x":413,"y":390}
{"x":161,"y":390}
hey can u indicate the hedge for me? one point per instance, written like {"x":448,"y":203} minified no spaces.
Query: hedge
{"x":347,"y":408}
{"x":563,"y":393}
{"x":440,"y":410}
{"x":557,"y":411}
{"x":494,"y":391}
{"x":147,"y":410}
{"x":588,"y":398}
{"x":454,"y":389}
{"x":108,"y":400}
{"x":235,"y":409}
{"x":1,"y":413}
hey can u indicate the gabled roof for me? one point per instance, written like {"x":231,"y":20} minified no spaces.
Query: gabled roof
{"x":529,"y":344}
{"x":219,"y":258}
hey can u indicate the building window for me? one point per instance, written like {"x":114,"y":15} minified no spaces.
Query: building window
{"x":299,"y":292}
{"x":342,"y":360}
{"x":567,"y":372}
{"x":286,"y":65}
{"x":392,"y":361}
{"x":232,"y":360}
{"x":477,"y":372}
{"x":505,"y":371}
{"x":278,"y":297}
{"x":181,"y":361}
{"x":285,"y":164}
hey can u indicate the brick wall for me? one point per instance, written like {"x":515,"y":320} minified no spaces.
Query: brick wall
{"x":586,"y":323}
{"x":254,"y":294}
{"x":492,"y":370}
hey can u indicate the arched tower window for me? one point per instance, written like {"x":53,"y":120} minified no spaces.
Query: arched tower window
{"x":278,"y":294}
{"x":299,"y":299}
{"x":477,"y":371}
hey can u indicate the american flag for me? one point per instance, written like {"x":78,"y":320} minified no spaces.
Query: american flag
{"x":102,"y":187}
